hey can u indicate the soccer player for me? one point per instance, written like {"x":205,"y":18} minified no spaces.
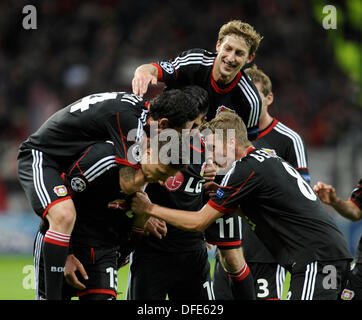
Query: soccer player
{"x":220,"y":74}
{"x":229,"y":89}
{"x":352,"y":210}
{"x":116,"y":116}
{"x":281,"y":208}
{"x":103,"y":225}
{"x":177,"y":264}
{"x":276,"y":138}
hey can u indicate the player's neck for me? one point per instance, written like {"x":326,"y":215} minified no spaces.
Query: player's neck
{"x":244,"y":151}
{"x":265,"y":121}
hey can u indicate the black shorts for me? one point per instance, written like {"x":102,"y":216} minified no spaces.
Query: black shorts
{"x":100,"y":265}
{"x":180,"y":275}
{"x":225,"y":232}
{"x":353,"y":289}
{"x":40,"y":177}
{"x":268,"y":279}
{"x":318,"y":280}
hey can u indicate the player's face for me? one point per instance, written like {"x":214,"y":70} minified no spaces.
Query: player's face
{"x":223,"y":151}
{"x":233,"y":54}
{"x":265,"y":100}
{"x":157,"y":172}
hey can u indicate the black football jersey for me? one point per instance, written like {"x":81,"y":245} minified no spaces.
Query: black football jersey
{"x":282,"y":210}
{"x":356,"y":198}
{"x":182,"y":191}
{"x":194,"y":67}
{"x":115,"y":116}
{"x":280,"y":140}
{"x":103,"y":210}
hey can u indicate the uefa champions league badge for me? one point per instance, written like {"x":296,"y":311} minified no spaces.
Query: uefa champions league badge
{"x":137,"y":153}
{"x":78,"y":184}
{"x":60,"y":191}
{"x":167,"y":66}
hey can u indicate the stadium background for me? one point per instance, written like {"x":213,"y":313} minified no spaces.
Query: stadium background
{"x":84,"y":47}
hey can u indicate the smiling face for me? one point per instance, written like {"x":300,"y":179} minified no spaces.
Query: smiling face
{"x":233,"y":54}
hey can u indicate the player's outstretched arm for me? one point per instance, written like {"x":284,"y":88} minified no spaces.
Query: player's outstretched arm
{"x":143,"y":76}
{"x":196,"y":221}
{"x":327,"y":194}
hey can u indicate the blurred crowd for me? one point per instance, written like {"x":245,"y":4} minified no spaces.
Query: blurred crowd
{"x":84,"y":47}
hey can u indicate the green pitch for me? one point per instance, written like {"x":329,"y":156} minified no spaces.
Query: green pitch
{"x":17,"y":279}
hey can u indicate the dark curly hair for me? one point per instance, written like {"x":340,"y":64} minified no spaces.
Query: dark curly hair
{"x":199,"y":96}
{"x":175,"y":105}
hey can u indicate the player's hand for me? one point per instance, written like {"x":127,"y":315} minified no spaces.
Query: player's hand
{"x":71,"y":266}
{"x":326,"y":193}
{"x":209,"y":171}
{"x":156,"y":227}
{"x":141,"y":203}
{"x":210,"y":188}
{"x":141,"y":80}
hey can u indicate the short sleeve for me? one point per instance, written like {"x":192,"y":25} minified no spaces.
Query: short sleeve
{"x":235,"y":186}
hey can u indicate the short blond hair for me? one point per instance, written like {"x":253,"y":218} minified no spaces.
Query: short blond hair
{"x":244,"y":30}
{"x":229,"y":120}
{"x":258,"y":76}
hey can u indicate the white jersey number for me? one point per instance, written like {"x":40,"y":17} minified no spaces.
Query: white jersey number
{"x":304,"y":187}
{"x":84,"y":103}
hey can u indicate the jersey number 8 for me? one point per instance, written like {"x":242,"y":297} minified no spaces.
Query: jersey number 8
{"x":304,"y":187}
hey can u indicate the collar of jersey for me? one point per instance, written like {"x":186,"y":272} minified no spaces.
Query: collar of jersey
{"x":268,"y":128}
{"x":250,"y":149}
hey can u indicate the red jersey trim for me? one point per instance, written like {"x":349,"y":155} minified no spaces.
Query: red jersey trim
{"x":92,"y":255}
{"x":91,"y":291}
{"x":52,"y":204}
{"x":225,"y":244}
{"x":127,"y":163}
{"x":268,"y":129}
{"x":250,"y":149}
{"x":77,"y":163}
{"x":122,"y":136}
{"x":56,"y":242}
{"x":245,"y":182}
{"x":229,"y":87}
{"x":159,"y":71}
{"x":219,"y":207}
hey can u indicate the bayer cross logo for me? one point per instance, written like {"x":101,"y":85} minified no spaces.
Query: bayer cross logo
{"x":78,"y":184}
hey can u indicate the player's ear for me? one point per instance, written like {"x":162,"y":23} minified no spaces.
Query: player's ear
{"x":270,"y":98}
{"x":251,"y":58}
{"x":163,"y":123}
